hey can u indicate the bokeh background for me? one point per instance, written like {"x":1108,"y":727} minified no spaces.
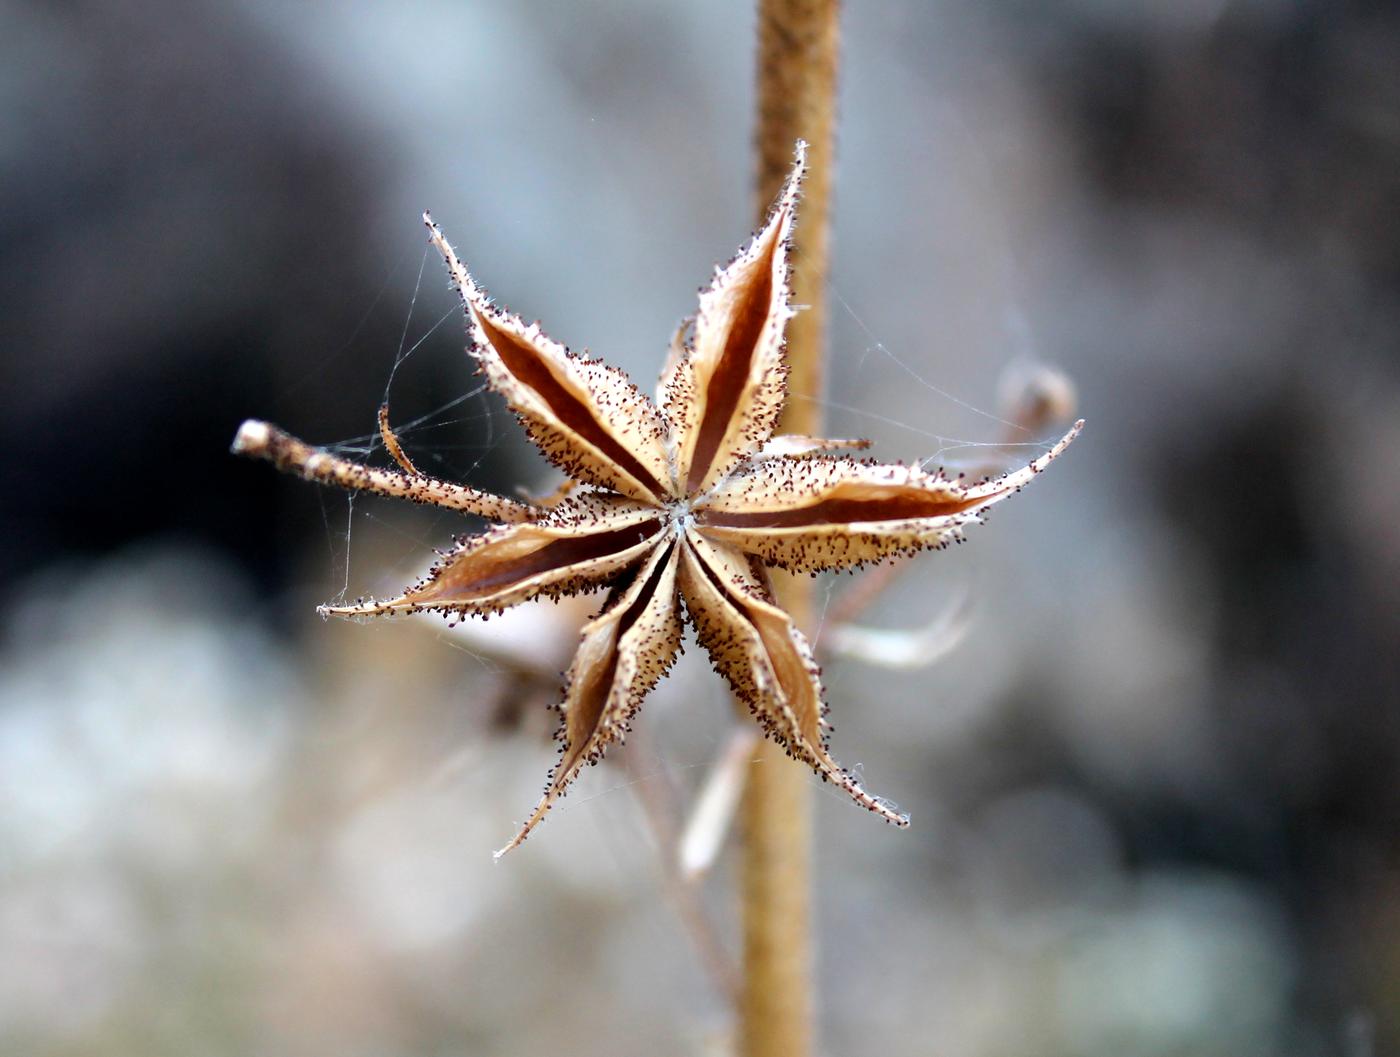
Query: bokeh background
{"x":1154,"y":787}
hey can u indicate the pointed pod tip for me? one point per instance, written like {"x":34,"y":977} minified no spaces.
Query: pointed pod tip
{"x":363,"y":609}
{"x":799,"y":171}
{"x":1068,"y":439}
{"x":515,"y":842}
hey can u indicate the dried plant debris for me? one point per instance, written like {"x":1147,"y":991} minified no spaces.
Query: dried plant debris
{"x":685,"y":500}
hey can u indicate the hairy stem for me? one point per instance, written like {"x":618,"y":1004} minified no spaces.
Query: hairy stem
{"x":797,"y":58}
{"x":262,"y":440}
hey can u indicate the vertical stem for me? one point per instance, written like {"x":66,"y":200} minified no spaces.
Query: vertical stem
{"x":797,"y":56}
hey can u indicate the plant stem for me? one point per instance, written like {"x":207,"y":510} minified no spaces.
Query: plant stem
{"x":797,"y":57}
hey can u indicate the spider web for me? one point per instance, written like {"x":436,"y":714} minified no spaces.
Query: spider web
{"x":434,"y":439}
{"x":433,"y":434}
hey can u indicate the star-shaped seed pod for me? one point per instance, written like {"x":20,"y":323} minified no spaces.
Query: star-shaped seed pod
{"x":678,"y":505}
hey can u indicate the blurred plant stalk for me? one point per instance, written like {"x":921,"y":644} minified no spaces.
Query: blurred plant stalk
{"x":797,"y":58}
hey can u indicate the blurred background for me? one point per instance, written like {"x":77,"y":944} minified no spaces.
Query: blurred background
{"x":1154,"y":786}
